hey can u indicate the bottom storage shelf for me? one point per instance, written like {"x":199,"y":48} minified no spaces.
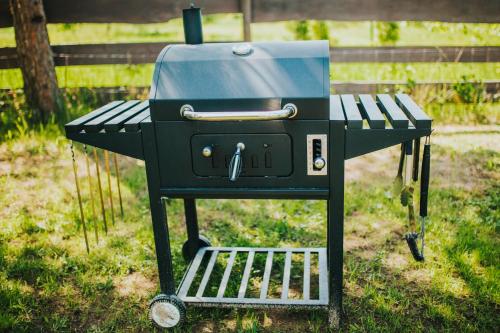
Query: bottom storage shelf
{"x":256,"y":277}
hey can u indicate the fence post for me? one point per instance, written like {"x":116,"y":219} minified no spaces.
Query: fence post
{"x":246,"y":8}
{"x":35,"y":57}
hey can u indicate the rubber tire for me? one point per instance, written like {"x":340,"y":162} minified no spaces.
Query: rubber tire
{"x":172,"y":299}
{"x":202,"y":242}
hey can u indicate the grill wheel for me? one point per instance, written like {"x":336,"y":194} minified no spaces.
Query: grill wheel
{"x":167,"y":311}
{"x":202,"y":242}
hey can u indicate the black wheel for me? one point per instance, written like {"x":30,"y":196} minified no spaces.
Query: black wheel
{"x":202,"y":242}
{"x":167,"y":311}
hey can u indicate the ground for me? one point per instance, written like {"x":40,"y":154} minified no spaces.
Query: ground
{"x":49,"y":283}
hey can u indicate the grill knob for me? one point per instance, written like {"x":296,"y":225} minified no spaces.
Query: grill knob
{"x":319,"y":163}
{"x":207,"y":151}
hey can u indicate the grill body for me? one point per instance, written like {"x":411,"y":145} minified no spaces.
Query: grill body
{"x":201,"y":121}
{"x":223,"y":78}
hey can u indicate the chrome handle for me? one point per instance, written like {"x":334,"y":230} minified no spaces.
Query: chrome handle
{"x":288,"y":111}
{"x":235,"y":164}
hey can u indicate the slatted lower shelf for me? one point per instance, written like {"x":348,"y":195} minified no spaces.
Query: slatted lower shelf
{"x":201,"y":273}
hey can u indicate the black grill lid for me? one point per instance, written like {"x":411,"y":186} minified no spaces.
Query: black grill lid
{"x":239,"y":76}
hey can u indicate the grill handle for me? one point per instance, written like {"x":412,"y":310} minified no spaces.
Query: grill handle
{"x":288,"y":111}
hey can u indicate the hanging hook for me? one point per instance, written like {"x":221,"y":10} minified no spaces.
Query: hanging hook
{"x":82,"y":217}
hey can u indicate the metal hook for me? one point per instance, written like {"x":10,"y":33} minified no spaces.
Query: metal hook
{"x":82,"y":217}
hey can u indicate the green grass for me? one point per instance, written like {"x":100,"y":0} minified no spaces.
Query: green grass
{"x":49,"y":283}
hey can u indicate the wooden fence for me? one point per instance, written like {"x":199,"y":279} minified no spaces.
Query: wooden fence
{"x":141,"y":53}
{"x":148,"y":11}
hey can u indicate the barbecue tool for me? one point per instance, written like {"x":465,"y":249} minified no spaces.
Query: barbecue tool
{"x":412,"y":237}
{"x":117,"y":172}
{"x":275,"y":99}
{"x":397,"y":185}
{"x":80,"y":204}
{"x":99,"y":185}
{"x":91,"y":194}
{"x":110,"y":192}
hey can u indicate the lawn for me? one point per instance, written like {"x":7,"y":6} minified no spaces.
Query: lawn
{"x":49,"y":283}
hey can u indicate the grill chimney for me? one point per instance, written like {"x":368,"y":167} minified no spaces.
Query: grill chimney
{"x":193,"y":32}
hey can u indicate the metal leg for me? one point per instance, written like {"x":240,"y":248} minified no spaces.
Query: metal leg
{"x":158,"y":213}
{"x":191,"y":226}
{"x":335,"y":239}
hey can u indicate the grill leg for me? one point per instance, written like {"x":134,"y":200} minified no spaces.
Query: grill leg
{"x":335,"y":238}
{"x":191,"y":226}
{"x":158,"y":212}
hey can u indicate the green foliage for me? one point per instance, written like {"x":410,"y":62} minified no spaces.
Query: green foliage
{"x":301,"y":30}
{"x":388,"y":33}
{"x":306,"y":30}
{"x":469,"y":90}
{"x":320,"y":30}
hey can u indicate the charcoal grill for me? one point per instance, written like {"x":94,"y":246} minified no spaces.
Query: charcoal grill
{"x":238,"y":120}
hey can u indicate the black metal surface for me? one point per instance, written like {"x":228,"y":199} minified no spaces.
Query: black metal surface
{"x":176,"y":161}
{"x":371,"y":112}
{"x":125,"y":143}
{"x":264,"y":154}
{"x":424,"y":180}
{"x":117,"y":123}
{"x":308,"y":108}
{"x":158,"y":212}
{"x":193,"y":233}
{"x":395,"y":115}
{"x":413,"y":111}
{"x":97,"y":124}
{"x":335,"y":218}
{"x":77,"y":124}
{"x":193,"y":31}
{"x":275,"y":165}
{"x":411,"y":240}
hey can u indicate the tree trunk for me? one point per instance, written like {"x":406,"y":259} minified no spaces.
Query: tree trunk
{"x":35,"y":57}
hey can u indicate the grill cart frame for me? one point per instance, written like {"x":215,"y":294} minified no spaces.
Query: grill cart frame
{"x":168,"y":132}
{"x":126,"y":128}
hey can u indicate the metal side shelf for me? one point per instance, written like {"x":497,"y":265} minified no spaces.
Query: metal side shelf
{"x":115,"y":126}
{"x":374,"y":124}
{"x":202,"y":266}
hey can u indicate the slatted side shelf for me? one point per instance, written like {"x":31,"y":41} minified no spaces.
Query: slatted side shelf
{"x":211,"y":254}
{"x":76,"y":125}
{"x":371,"y":112}
{"x":396,"y":116}
{"x":352,"y":114}
{"x":418,"y":117}
{"x":97,"y":124}
{"x":117,"y":123}
{"x":133,"y":125}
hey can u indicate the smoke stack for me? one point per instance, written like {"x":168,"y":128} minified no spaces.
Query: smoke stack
{"x":193,"y":32}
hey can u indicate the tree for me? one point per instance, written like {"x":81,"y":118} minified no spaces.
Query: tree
{"x":35,"y":57}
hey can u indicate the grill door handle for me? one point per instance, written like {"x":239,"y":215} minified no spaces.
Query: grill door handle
{"x":288,"y":111}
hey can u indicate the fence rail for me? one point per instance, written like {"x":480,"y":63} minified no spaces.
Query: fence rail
{"x":141,"y":53}
{"x":491,"y":88}
{"x":149,"y":11}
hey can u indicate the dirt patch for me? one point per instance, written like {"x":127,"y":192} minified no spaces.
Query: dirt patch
{"x":455,"y":161}
{"x":134,"y":284}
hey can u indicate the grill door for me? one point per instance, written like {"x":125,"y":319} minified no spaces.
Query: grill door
{"x":264,"y":154}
